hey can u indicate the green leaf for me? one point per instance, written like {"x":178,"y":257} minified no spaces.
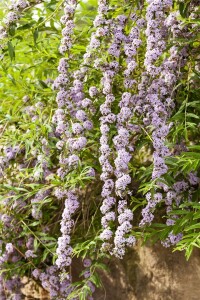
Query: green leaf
{"x":35,"y":35}
{"x":11,"y":50}
{"x":195,"y":226}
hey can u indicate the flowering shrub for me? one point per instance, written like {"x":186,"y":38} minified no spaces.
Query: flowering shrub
{"x":99,"y":136}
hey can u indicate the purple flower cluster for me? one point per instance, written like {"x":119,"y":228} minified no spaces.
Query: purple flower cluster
{"x":64,"y":99}
{"x":11,"y":18}
{"x":156,"y":33}
{"x":158,"y":91}
{"x":12,"y":285}
{"x":121,"y":239}
{"x":71,"y":101}
{"x":14,"y":14}
{"x":131,"y":45}
{"x":51,"y":281}
{"x":60,"y":193}
{"x":122,"y":139}
{"x":121,"y":143}
{"x":72,"y":98}
{"x":87,"y":264}
{"x":101,"y":24}
{"x":84,"y":105}
{"x":160,"y":79}
{"x":18,"y":5}
{"x":172,"y":239}
{"x":30,"y":254}
{"x":81,"y":107}
{"x":106,"y":120}
{"x":10,"y":153}
{"x":36,"y":203}
{"x":64,"y":250}
{"x":147,"y":212}
{"x":67,"y":21}
{"x":117,"y":28}
{"x":173,"y":199}
{"x":108,"y":216}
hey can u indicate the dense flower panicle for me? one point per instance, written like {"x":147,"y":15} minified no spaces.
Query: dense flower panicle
{"x":72,"y":97}
{"x":147,"y":212}
{"x":12,"y":285}
{"x":122,"y":235}
{"x":172,"y":239}
{"x":12,"y":17}
{"x":69,"y":97}
{"x":18,"y":5}
{"x":39,"y":197}
{"x":173,"y":199}
{"x":122,"y":139}
{"x":64,"y":249}
{"x":50,"y":280}
{"x":108,"y":203}
{"x":30,"y":254}
{"x":121,"y":239}
{"x":67,"y":20}
{"x":108,"y":118}
{"x":159,"y":103}
{"x":133,"y":42}
{"x":78,"y":106}
{"x":193,"y":178}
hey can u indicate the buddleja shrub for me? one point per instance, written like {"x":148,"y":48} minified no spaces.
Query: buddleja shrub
{"x":99,"y":120}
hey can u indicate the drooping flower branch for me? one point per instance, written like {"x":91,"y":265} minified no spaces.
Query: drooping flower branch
{"x":107,"y":120}
{"x":66,"y":100}
{"x":122,"y":144}
{"x":71,"y":96}
{"x":159,"y":102}
{"x":64,"y":249}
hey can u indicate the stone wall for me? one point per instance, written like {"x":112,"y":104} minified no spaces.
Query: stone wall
{"x":153,"y":273}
